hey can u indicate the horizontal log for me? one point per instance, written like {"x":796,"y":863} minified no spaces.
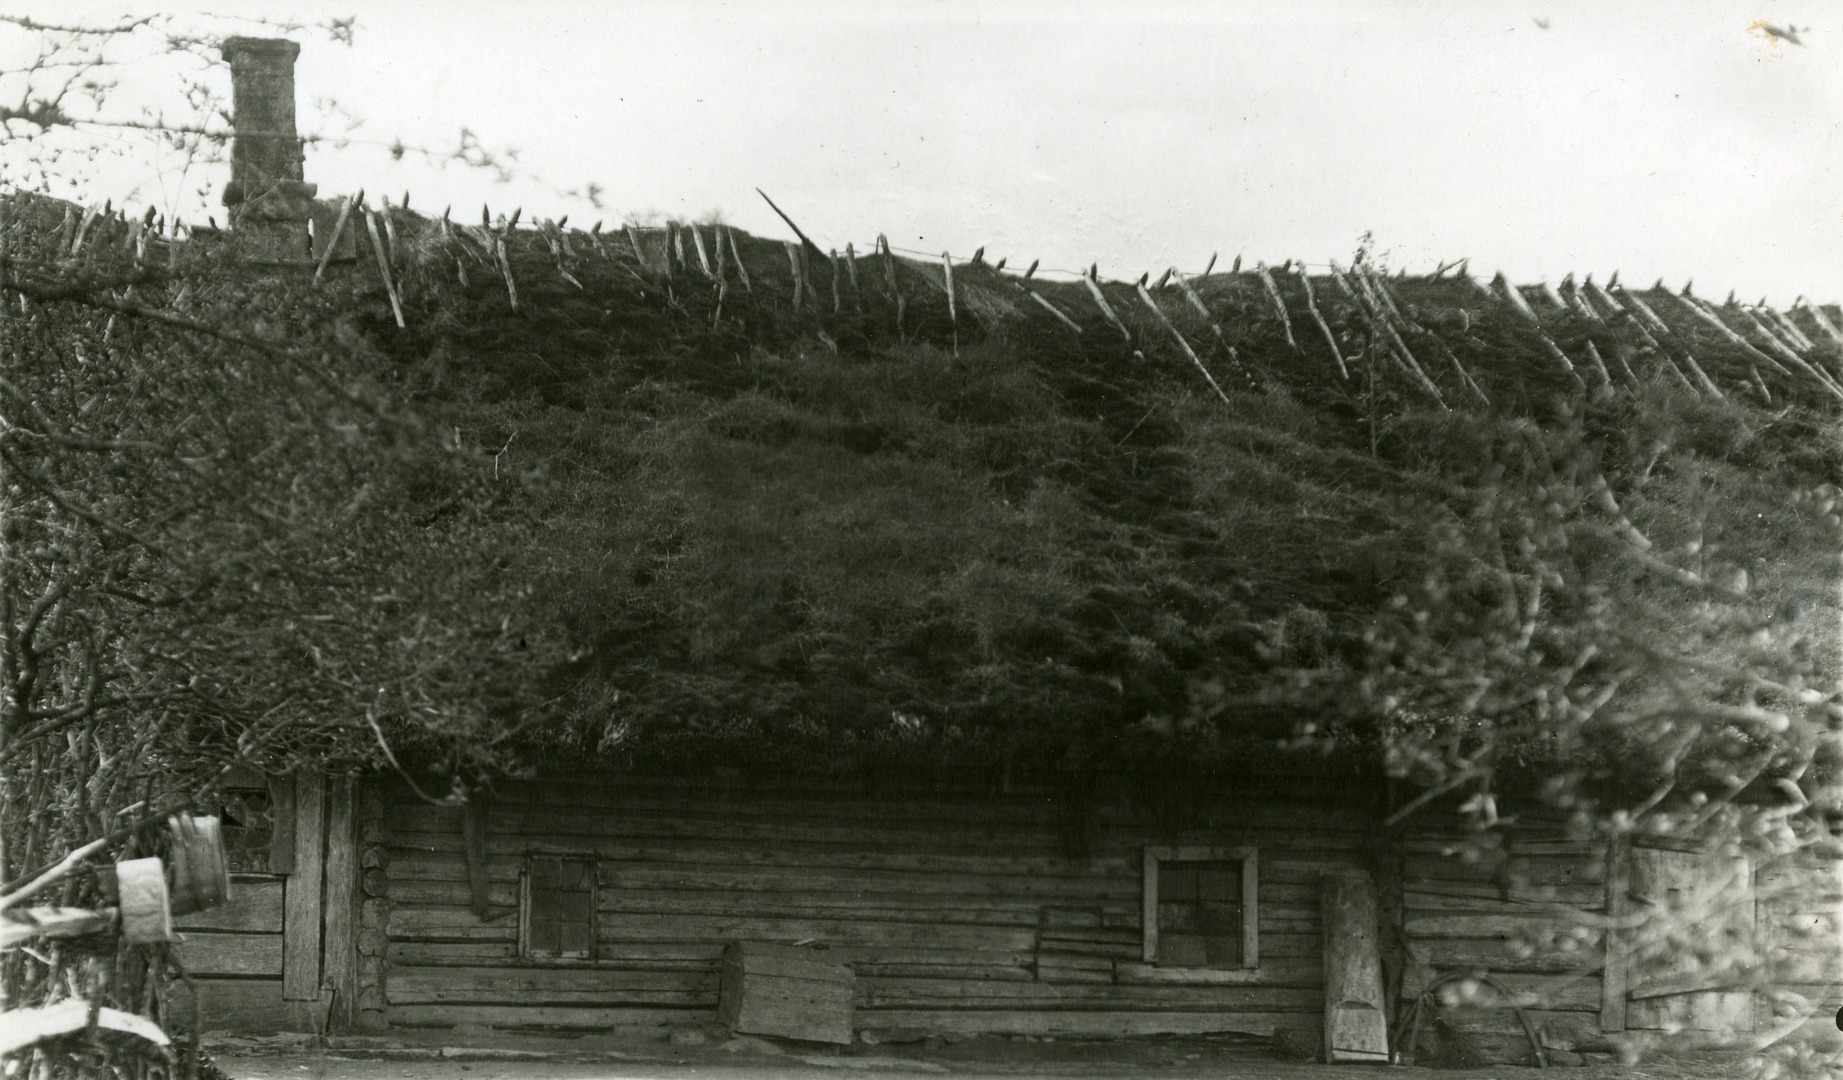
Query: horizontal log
{"x":253,"y":907}
{"x":1282,"y":804}
{"x":1532,"y":870}
{"x":582,"y":824}
{"x":541,"y":980}
{"x":1272,"y":972}
{"x":438,"y":856}
{"x":626,"y":875}
{"x":701,"y":956}
{"x":1508,"y":925}
{"x":932,"y":993}
{"x":613,"y":902}
{"x":1502,"y":954}
{"x":205,"y":953}
{"x":1291,"y":945}
{"x":1562,"y":992}
{"x":1078,"y":1022}
{"x":234,"y":1004}
{"x":1480,"y":896}
{"x":562,"y":1017}
{"x":1517,"y":846}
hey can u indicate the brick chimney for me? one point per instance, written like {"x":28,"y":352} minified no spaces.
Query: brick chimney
{"x":267,"y":195}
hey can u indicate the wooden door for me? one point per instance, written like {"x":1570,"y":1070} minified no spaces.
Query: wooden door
{"x":1689,"y":984}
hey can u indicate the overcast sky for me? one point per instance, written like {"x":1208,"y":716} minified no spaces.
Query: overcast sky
{"x":1675,"y":139}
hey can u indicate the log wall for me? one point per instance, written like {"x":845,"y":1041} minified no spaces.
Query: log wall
{"x":234,"y":954}
{"x":285,"y":951}
{"x":1531,"y":914}
{"x":1516,"y":914}
{"x":958,"y":913}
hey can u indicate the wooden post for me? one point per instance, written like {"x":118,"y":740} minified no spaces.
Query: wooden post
{"x":1051,"y":308}
{"x":339,"y":227}
{"x":889,"y":272}
{"x":505,"y":267}
{"x":793,"y":264}
{"x":1273,"y":293}
{"x":281,"y":829}
{"x":1515,"y":296}
{"x":390,"y":230}
{"x":697,"y":239}
{"x":473,"y":840}
{"x":1760,"y":384}
{"x":341,"y":917}
{"x":1311,"y":305}
{"x":836,"y":305}
{"x":851,"y":270}
{"x":1100,"y":300}
{"x":742,"y":271}
{"x":301,"y":900}
{"x":1618,"y":903}
{"x":1784,"y":321}
{"x":377,"y":246}
{"x":1599,"y":365}
{"x":1703,"y":377}
{"x":1355,"y":1028}
{"x":1146,"y":298}
{"x":953,"y":314}
{"x":1678,"y":372}
{"x":1824,"y":323}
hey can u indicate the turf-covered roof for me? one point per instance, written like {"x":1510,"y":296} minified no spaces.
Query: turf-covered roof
{"x":812,"y":507}
{"x":794,"y":508}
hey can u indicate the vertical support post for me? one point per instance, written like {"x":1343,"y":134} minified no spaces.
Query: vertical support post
{"x":341,"y":916}
{"x":301,"y":900}
{"x":1613,"y":975}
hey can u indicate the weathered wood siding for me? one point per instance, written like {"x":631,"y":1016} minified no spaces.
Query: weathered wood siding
{"x":1515,"y":914}
{"x":234,"y":954}
{"x":958,"y":913}
{"x":1531,"y":914}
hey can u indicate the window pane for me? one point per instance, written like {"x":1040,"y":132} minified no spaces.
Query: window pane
{"x":1223,"y":950}
{"x":544,"y":939}
{"x":1177,"y":881}
{"x":1178,"y":918}
{"x":1182,"y":950}
{"x":573,"y":907}
{"x":1219,"y":918}
{"x":544,"y":874}
{"x":572,"y":876}
{"x":575,"y":938}
{"x":1219,"y":881}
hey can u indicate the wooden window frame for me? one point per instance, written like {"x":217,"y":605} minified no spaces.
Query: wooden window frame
{"x":1249,"y":859}
{"x":524,"y":906}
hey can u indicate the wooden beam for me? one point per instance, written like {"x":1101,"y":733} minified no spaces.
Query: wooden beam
{"x":341,"y":916}
{"x":281,"y":824}
{"x":473,"y":836}
{"x":1618,"y":901}
{"x":301,"y":903}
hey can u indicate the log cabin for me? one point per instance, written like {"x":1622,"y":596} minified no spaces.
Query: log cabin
{"x":1272,"y":898}
{"x":594,"y":901}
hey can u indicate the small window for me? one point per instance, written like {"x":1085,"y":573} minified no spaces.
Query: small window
{"x":248,"y":821}
{"x":557,"y":907}
{"x":1200,"y":907}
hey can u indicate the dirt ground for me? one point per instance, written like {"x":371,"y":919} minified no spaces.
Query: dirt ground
{"x":759,"y":1059}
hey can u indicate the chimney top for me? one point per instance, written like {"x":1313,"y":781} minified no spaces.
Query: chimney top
{"x":259,"y":48}
{"x":266,"y":188}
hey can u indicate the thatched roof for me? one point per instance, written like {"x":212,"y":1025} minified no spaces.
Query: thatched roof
{"x":875,"y":525}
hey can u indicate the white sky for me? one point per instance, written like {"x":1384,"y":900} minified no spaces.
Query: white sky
{"x":1658,"y":139}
